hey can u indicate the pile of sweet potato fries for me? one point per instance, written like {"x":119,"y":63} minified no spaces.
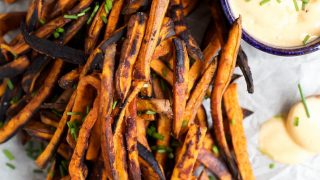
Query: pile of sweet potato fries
{"x":114,"y":89}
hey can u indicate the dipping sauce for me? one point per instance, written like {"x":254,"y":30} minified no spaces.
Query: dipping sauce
{"x":276,"y":142}
{"x":296,"y":138}
{"x":303,"y":130}
{"x":279,"y":23}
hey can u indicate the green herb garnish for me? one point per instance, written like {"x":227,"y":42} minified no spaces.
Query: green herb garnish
{"x":114,"y":104}
{"x":233,"y":121}
{"x":14,"y":100}
{"x":8,"y":154}
{"x":212,"y":177}
{"x":10,"y":84}
{"x":56,"y":35}
{"x":158,"y":136}
{"x":10,"y":165}
{"x":109,"y":4}
{"x":69,"y":16}
{"x":171,"y":155}
{"x":306,"y":38}
{"x":303,"y":100}
{"x":104,"y":19}
{"x":41,"y":21}
{"x":93,"y":13}
{"x":151,"y":112}
{"x":295,"y":5}
{"x":304,"y":3}
{"x":296,"y":121}
{"x":263,"y":2}
{"x":271,"y":165}
{"x":74,"y":113}
{"x":215,"y":150}
{"x":74,"y":129}
{"x":164,"y":72}
{"x":185,"y":123}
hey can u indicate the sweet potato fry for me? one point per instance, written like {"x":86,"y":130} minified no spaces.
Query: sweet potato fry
{"x":149,"y":166}
{"x":33,"y":72}
{"x":95,"y":30}
{"x":167,"y":29}
{"x":234,"y":113}
{"x":180,"y":86}
{"x":129,"y":53}
{"x":214,"y":164}
{"x":105,"y":107}
{"x":39,"y":130}
{"x":50,"y":149}
{"x":69,"y":79}
{"x":150,"y":41}
{"x":77,"y":168}
{"x":224,"y":73}
{"x":147,"y":117}
{"x":163,"y":49}
{"x":10,"y":21}
{"x":188,"y":154}
{"x":161,"y":69}
{"x":242,"y":62}
{"x":49,"y":118}
{"x":131,"y":141}
{"x":188,"y":6}
{"x":133,"y":6}
{"x":156,"y":105}
{"x":201,"y":117}
{"x":198,"y":94}
{"x":14,"y":67}
{"x":182,"y":31}
{"x":62,"y":6}
{"x":113,"y":18}
{"x":24,"y":115}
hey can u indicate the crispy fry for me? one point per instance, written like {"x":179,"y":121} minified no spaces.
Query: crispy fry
{"x":180,"y":87}
{"x":242,"y":62}
{"x":224,"y":73}
{"x":70,"y":79}
{"x":182,"y":30}
{"x":49,"y":118}
{"x":113,"y":18}
{"x":198,"y":94}
{"x":24,"y":115}
{"x":62,"y":6}
{"x":14,"y":67}
{"x":129,"y":53}
{"x":156,"y":105}
{"x":188,"y":154}
{"x":105,"y":107}
{"x":45,"y":156}
{"x":202,"y":117}
{"x":161,"y":69}
{"x":188,"y":6}
{"x":39,"y":130}
{"x":77,"y":168}
{"x":95,"y":30}
{"x":213,"y":164}
{"x":150,"y":41}
{"x":10,"y":21}
{"x":234,"y":113}
{"x":131,"y":141}
{"x":133,"y":6}
{"x":167,"y":30}
{"x":203,"y":175}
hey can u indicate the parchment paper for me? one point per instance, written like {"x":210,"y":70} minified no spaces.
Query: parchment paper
{"x":275,"y":80}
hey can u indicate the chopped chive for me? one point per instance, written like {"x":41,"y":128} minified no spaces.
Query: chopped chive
{"x":279,"y":1}
{"x":62,"y":171}
{"x":212,"y":177}
{"x":37,"y":171}
{"x":184,"y":123}
{"x":69,"y":16}
{"x":60,"y":30}
{"x":74,"y":113}
{"x":157,"y":136}
{"x":14,"y":100}
{"x":10,"y":165}
{"x":303,"y":100}
{"x":233,"y":121}
{"x":109,"y":4}
{"x":87,"y":109}
{"x":164,"y":72}
{"x":73,"y":127}
{"x":215,"y":150}
{"x":151,"y":130}
{"x":296,"y":121}
{"x":81,"y":14}
{"x":271,"y":165}
{"x":163,"y":85}
{"x":304,"y":3}
{"x":10,"y":84}
{"x":56,"y":112}
{"x":171,"y":156}
{"x":41,"y":21}
{"x":104,"y":19}
{"x":93,"y":13}
{"x":306,"y":38}
{"x":114,"y":104}
{"x":56,"y":35}
{"x":106,"y":8}
{"x":295,"y":5}
{"x":161,"y":151}
{"x":150,"y":112}
{"x":263,"y":2}
{"x":86,"y":10}
{"x":206,"y":96}
{"x":8,"y":154}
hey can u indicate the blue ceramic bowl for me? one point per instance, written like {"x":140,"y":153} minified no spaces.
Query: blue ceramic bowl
{"x":290,"y":51}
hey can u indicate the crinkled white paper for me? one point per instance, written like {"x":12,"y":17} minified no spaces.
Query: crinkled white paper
{"x":275,"y":80}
